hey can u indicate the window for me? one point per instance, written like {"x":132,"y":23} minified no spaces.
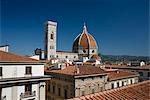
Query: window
{"x":49,"y":87}
{"x":0,"y":91}
{"x":51,"y":56}
{"x":74,"y":56}
{"x":148,"y":74}
{"x":122,"y":83}
{"x":52,"y":36}
{"x":51,"y":47}
{"x":112,"y":85}
{"x":57,"y":56}
{"x":101,"y":88}
{"x":60,"y":66}
{"x":28,"y":89}
{"x":53,"y":89}
{"x":92,"y":51}
{"x":82,"y":93}
{"x":28,"y":70}
{"x":0,"y":71}
{"x":92,"y":78}
{"x":101,"y":76}
{"x":59,"y":91}
{"x":66,"y":56}
{"x":65,"y":94}
{"x":131,"y":81}
{"x":82,"y":79}
{"x":117,"y":84}
{"x":92,"y":90}
{"x":84,"y":51}
{"x":141,"y":74}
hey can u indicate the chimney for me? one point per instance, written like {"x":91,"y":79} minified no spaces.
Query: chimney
{"x":4,"y":48}
{"x":78,"y":71}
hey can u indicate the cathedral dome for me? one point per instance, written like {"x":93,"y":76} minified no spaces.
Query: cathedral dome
{"x":84,"y":41}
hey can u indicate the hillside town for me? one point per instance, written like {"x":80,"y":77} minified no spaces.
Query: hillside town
{"x":80,"y":74}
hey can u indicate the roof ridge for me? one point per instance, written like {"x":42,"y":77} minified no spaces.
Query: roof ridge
{"x":14,"y":55}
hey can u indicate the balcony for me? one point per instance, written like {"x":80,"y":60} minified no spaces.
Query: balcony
{"x":27,"y":94}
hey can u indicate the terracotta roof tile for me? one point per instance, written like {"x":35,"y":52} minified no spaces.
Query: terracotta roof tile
{"x":84,"y":41}
{"x":129,"y":67}
{"x":95,"y":57}
{"x":10,"y":57}
{"x":120,"y":74}
{"x":83,"y":70}
{"x":139,"y":91}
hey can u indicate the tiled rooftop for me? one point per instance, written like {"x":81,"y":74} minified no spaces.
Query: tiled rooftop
{"x":10,"y":57}
{"x":95,"y":57}
{"x":84,"y":41}
{"x":117,"y":74}
{"x":129,"y":67}
{"x":139,"y":91}
{"x":79,"y":70}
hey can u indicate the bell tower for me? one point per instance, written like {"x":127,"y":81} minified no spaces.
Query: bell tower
{"x":50,"y":39}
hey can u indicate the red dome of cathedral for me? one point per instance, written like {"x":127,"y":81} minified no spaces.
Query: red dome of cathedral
{"x":84,"y":41}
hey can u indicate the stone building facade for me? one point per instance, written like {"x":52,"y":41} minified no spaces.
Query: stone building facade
{"x":139,"y":91}
{"x":21,"y":78}
{"x":65,"y":55}
{"x":119,"y":78}
{"x":75,"y":81}
{"x":144,"y":71}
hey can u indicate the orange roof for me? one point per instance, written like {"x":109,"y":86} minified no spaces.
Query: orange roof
{"x":95,"y":57}
{"x":128,"y":67}
{"x":89,"y":62}
{"x":84,"y":41}
{"x":139,"y":91}
{"x":10,"y":57}
{"x":117,"y":74}
{"x":83,"y":70}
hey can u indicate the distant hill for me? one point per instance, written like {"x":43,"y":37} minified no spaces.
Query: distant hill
{"x":114,"y":58}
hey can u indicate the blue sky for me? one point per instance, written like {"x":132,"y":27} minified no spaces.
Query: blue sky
{"x":120,"y":27}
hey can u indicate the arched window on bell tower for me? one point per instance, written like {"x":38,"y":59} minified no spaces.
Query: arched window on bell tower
{"x":52,"y":35}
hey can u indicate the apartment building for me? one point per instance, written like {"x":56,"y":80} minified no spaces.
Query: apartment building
{"x":21,"y":78}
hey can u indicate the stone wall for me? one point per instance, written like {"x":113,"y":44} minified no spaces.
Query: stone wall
{"x":89,"y":85}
